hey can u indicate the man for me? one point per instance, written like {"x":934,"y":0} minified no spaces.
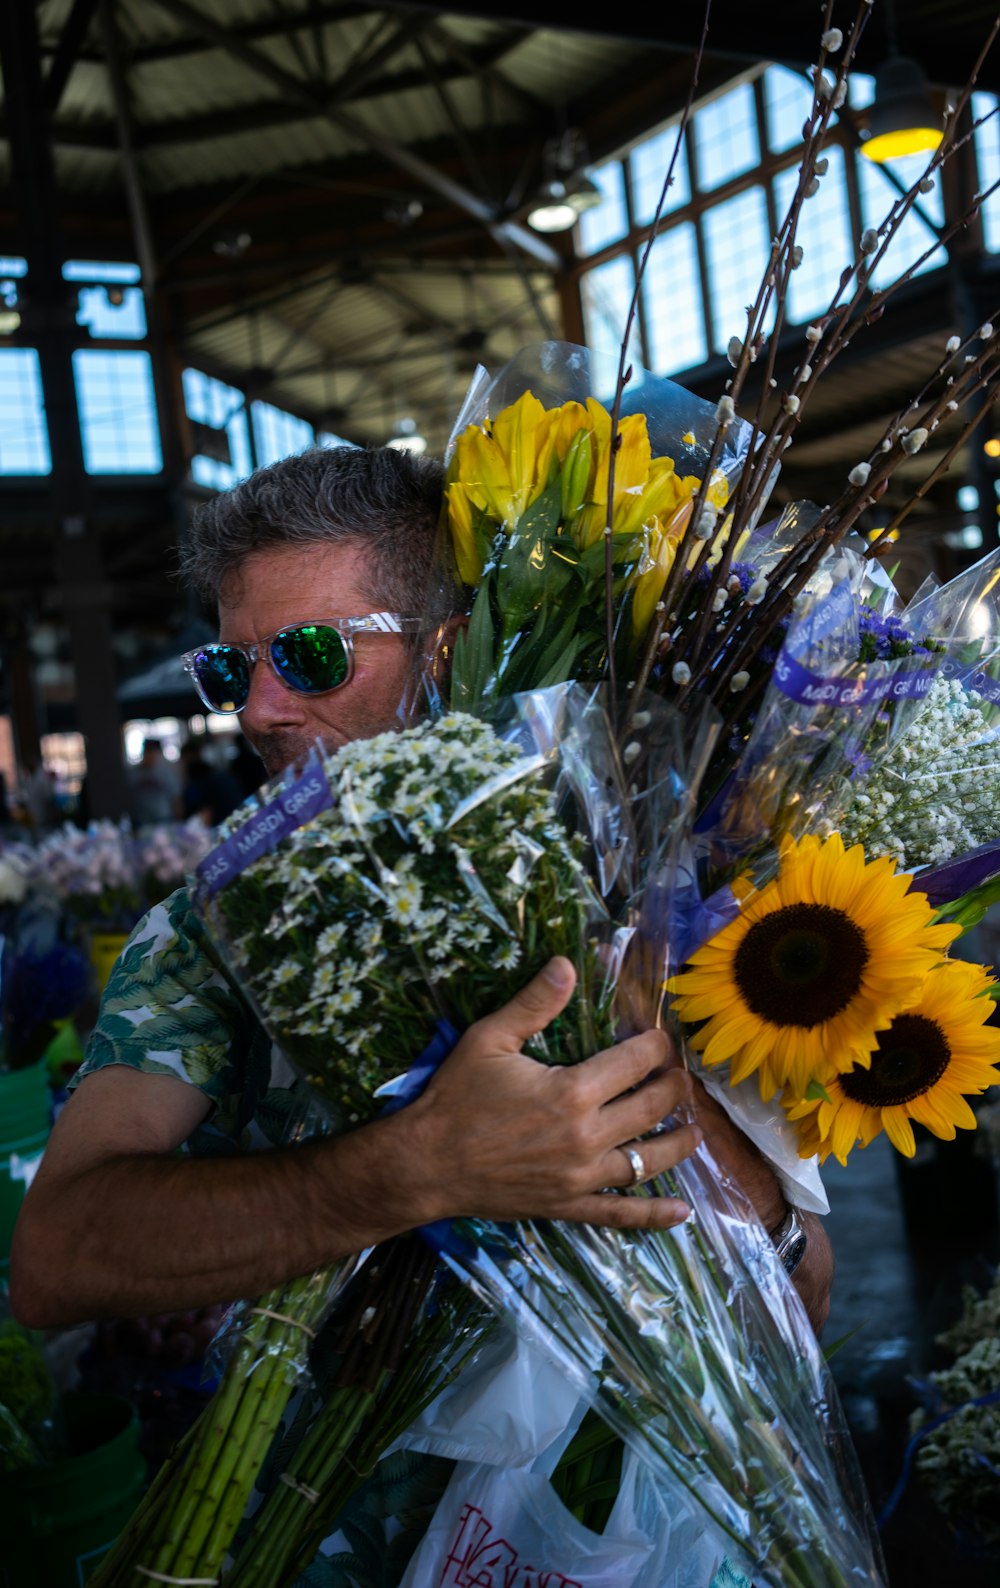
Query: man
{"x":115,"y":1223}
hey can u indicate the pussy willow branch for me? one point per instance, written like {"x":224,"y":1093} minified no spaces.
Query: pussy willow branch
{"x":935,"y":474}
{"x":747,"y":629}
{"x":859,"y":313}
{"x":622,"y":378}
{"x":782,"y":247}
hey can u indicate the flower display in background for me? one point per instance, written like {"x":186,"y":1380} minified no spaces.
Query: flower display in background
{"x":164,"y":855}
{"x":816,"y":963}
{"x":93,"y":874}
{"x":931,"y":1057}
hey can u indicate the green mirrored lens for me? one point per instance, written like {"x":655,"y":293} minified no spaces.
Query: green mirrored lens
{"x":311,"y":658}
{"x":222,"y":674}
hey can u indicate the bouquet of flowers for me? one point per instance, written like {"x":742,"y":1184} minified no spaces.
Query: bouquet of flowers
{"x":620,"y":543}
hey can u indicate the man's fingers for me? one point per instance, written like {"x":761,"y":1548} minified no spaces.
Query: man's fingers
{"x":649,"y":1105}
{"x":531,"y":1010}
{"x":656,"y":1153}
{"x":617,"y":1070}
{"x":630,"y":1213}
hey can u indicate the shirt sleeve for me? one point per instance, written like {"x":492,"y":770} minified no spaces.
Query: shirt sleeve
{"x":170,"y":1008}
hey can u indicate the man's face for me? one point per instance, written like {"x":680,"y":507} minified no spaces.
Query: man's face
{"x":300,"y":584}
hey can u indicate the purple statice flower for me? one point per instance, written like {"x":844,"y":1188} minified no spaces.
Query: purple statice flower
{"x":885,"y":639}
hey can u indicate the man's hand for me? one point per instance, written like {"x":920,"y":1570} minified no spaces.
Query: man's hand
{"x":502,"y":1136}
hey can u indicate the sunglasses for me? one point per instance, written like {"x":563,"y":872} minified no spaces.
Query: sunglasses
{"x":309,"y":658}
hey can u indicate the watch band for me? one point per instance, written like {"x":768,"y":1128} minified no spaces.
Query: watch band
{"x":790,"y":1240}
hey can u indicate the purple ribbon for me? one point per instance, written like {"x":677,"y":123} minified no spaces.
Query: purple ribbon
{"x":944,"y":883}
{"x":811,"y":689}
{"x":298,"y":802}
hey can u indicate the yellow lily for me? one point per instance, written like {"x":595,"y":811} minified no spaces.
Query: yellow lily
{"x":467,"y":558}
{"x":506,"y":467}
{"x":660,"y":540}
{"x":631,"y":470}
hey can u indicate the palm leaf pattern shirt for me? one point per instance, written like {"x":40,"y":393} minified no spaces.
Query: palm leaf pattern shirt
{"x":171,"y":1007}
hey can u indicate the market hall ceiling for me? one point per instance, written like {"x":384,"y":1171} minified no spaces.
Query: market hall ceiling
{"x":336,"y":192}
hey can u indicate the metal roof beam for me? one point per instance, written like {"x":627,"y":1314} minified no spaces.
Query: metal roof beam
{"x":397,"y":154}
{"x":67,"y":52}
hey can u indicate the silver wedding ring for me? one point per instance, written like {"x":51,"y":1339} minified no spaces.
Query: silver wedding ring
{"x":639,"y":1170}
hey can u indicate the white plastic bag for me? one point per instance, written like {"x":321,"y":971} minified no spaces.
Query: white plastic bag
{"x":501,"y":1527}
{"x":510,"y":1407}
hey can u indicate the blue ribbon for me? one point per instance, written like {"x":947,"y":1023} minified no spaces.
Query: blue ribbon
{"x":909,"y":1454}
{"x":442,"y":1235}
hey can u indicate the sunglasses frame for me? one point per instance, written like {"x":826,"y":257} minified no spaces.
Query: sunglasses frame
{"x":260,"y":651}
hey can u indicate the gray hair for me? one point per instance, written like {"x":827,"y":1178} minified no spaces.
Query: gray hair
{"x":386,"y":500}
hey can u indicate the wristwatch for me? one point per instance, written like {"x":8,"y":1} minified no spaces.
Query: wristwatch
{"x":790,"y":1240}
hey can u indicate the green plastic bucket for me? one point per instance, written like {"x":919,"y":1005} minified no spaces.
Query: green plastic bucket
{"x":25,"y":1121}
{"x":58,"y":1522}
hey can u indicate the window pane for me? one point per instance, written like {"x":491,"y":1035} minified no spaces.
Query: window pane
{"x":914,"y":236}
{"x":114,"y":393}
{"x":675,"y":323}
{"x":24,"y":437}
{"x":824,"y":234}
{"x":101,"y":270}
{"x":988,"y":163}
{"x":278,"y":434}
{"x":218,"y":407}
{"x":609,"y":220}
{"x":860,"y":90}
{"x":607,"y":293}
{"x":13,"y":265}
{"x":788,"y":101}
{"x":106,"y":317}
{"x":737,"y":245}
{"x":725,"y":133}
{"x":649,"y":162}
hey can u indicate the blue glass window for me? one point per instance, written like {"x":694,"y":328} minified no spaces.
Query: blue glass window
{"x":788,"y":99}
{"x":24,"y":437}
{"x":915,"y":236}
{"x":113,"y":270}
{"x":607,"y":221}
{"x":649,"y":162}
{"x":218,"y":407}
{"x":117,"y":405}
{"x":120,"y":313}
{"x":988,"y":163}
{"x":607,"y":293}
{"x":13,"y":265}
{"x":278,"y":434}
{"x":824,"y":233}
{"x":737,"y":244}
{"x":725,"y":134}
{"x":675,"y":324}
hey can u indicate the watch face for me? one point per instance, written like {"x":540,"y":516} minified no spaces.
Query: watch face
{"x":790,"y":1243}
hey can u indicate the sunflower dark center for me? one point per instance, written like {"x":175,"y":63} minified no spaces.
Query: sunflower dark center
{"x":801,"y":965}
{"x":910,"y":1058}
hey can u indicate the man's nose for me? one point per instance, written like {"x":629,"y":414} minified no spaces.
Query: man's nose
{"x":270,"y":705}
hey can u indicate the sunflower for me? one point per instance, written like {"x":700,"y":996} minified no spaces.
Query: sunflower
{"x":815,"y":964}
{"x":932,"y":1056}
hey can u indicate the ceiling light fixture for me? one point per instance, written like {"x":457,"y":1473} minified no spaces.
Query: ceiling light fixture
{"x":566,"y":191}
{"x":902,"y":119}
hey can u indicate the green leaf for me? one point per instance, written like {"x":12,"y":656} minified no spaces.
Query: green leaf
{"x":841,"y":1341}
{"x":816,"y":1092}
{"x":474,"y":660}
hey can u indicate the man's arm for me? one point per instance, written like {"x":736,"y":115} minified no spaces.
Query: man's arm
{"x":734,"y":1152}
{"x":114,"y":1225}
